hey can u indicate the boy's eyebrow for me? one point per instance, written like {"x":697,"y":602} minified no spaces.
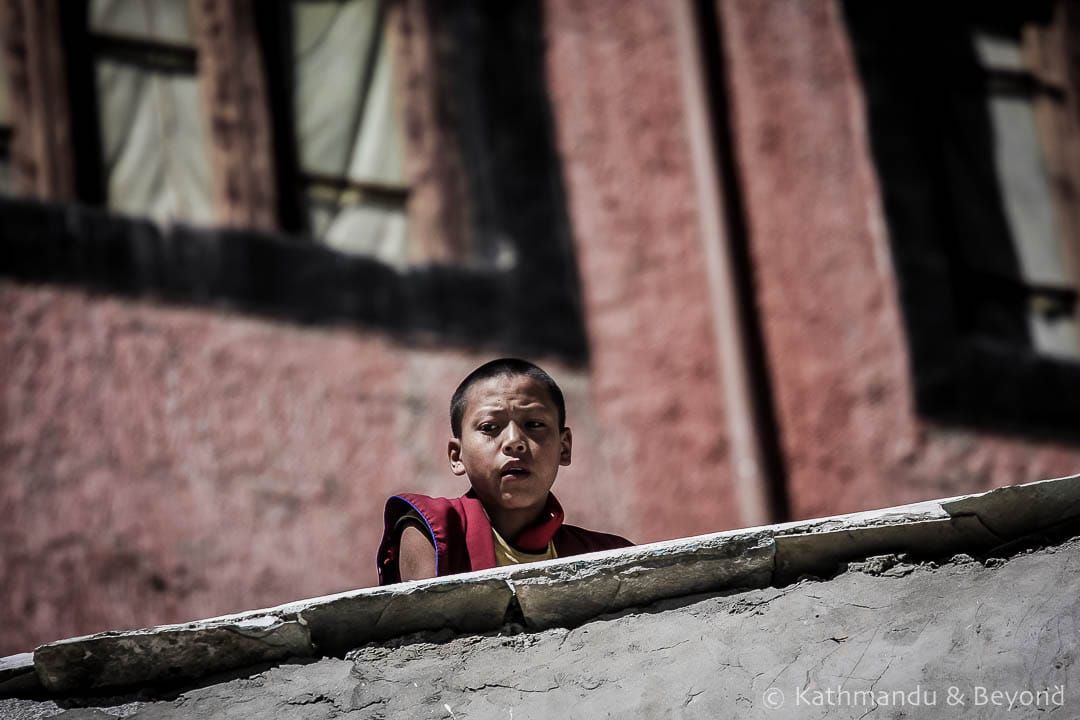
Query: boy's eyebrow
{"x":487,"y":410}
{"x":501,"y":409}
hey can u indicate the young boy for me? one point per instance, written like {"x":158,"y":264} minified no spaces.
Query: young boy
{"x":510,"y":437}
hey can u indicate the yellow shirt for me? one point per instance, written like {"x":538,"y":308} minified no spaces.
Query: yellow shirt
{"x":507,"y":554}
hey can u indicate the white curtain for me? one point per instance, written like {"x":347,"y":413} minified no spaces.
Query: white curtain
{"x":153,"y":139}
{"x":343,"y":134}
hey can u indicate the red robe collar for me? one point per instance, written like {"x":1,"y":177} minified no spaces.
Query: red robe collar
{"x":536,"y":536}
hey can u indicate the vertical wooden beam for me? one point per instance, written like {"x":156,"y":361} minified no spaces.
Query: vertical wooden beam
{"x":749,"y":464}
{"x":237,"y":111}
{"x":438,"y":202}
{"x":1051,"y":54}
{"x":1067,"y":32}
{"x":42,"y":154}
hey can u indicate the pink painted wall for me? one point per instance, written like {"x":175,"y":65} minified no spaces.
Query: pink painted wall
{"x":827,"y":290}
{"x":615,"y":90}
{"x":159,"y":464}
{"x":163,"y":464}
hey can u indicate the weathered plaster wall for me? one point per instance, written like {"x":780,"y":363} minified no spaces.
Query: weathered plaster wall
{"x":882,"y":627}
{"x":826,"y":286}
{"x":161,"y":464}
{"x":615,"y":92}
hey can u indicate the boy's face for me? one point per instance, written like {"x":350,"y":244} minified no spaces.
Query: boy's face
{"x":511,"y":446}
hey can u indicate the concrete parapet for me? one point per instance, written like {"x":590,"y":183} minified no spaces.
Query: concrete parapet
{"x":558,"y":593}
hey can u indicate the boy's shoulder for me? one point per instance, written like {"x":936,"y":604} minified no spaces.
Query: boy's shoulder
{"x":574,"y":540}
{"x":438,"y":512}
{"x":461,"y":534}
{"x":425,"y":505}
{"x":447,"y":519}
{"x":450,"y":524}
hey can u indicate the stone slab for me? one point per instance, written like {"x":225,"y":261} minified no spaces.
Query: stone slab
{"x":17,"y":675}
{"x":1019,"y":510}
{"x":467,"y":603}
{"x":569,"y":592}
{"x":15,"y":665}
{"x":902,"y":642}
{"x":822,"y":552}
{"x":168,"y":653}
{"x":558,"y":593}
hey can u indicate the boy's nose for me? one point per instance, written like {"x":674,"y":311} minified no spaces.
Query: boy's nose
{"x":515,"y":439}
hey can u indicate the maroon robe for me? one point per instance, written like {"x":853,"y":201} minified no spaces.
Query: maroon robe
{"x":461,"y":533}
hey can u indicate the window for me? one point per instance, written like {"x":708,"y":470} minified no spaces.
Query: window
{"x":292,"y":156}
{"x":152,"y":136}
{"x":351,"y":175}
{"x":1032,"y":132}
{"x":5,"y":128}
{"x":973,"y":130}
{"x":157,"y":158}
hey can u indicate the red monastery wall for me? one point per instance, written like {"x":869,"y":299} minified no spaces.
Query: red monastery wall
{"x":827,"y":290}
{"x":161,"y":463}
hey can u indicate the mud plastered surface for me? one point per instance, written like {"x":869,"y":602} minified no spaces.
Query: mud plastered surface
{"x":885,"y":639}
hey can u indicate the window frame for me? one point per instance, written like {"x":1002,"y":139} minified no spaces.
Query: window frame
{"x":275,"y":30}
{"x":963,"y":373}
{"x":484,"y":101}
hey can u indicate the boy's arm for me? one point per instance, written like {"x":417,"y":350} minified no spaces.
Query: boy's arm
{"x":416,"y":558}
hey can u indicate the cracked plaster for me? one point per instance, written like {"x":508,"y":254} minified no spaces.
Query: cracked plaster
{"x":1007,"y":625}
{"x":558,"y":593}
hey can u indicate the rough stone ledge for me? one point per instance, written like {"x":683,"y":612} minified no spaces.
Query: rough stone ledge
{"x":14,"y":665}
{"x":17,"y":674}
{"x":168,"y":653}
{"x":563,"y":592}
{"x":570,"y":592}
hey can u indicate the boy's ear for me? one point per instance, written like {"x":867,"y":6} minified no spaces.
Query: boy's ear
{"x":567,"y":441}
{"x":453,"y":450}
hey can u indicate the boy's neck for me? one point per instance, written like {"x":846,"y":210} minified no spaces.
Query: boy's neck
{"x":510,"y":523}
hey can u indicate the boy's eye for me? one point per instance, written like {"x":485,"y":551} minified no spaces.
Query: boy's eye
{"x":534,"y":424}
{"x":488,"y":427}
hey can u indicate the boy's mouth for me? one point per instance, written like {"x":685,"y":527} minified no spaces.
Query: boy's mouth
{"x":514,"y":471}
